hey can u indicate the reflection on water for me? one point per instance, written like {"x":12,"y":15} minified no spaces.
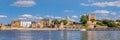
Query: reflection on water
{"x":104,"y":35}
{"x":59,"y":35}
{"x":39,"y":35}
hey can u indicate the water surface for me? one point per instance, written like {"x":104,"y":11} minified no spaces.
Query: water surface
{"x":59,"y":35}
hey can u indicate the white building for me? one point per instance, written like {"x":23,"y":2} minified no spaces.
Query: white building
{"x":26,"y":24}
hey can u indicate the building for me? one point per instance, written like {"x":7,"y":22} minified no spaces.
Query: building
{"x":16,"y":23}
{"x":45,"y":23}
{"x":91,"y":20}
{"x":91,"y":16}
{"x":35,"y":25}
{"x":26,"y":24}
{"x":1,"y":25}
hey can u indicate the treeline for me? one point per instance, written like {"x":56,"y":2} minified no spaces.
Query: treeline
{"x":109,"y":23}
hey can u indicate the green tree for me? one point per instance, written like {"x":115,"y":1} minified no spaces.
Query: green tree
{"x":84,"y":19}
{"x":64,"y":22}
{"x":55,"y":21}
{"x":8,"y":25}
{"x":117,"y":20}
{"x":109,"y":23}
{"x":100,"y":23}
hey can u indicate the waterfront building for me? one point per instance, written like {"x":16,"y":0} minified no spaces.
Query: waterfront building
{"x":91,"y":20}
{"x":26,"y":24}
{"x":16,"y":23}
{"x":91,"y":16}
{"x":35,"y":25}
{"x":1,"y":25}
{"x":45,"y":23}
{"x":75,"y":25}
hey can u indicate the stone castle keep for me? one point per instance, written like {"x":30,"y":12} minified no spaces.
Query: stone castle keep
{"x":91,"y":20}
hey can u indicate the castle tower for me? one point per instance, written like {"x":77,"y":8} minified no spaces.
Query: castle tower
{"x":91,"y":20}
{"x":91,"y":16}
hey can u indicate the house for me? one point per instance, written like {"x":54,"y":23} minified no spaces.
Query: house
{"x":16,"y":23}
{"x":45,"y":23}
{"x":26,"y":24}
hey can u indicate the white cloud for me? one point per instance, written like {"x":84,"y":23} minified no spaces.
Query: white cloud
{"x":3,"y":16}
{"x":54,"y":17}
{"x":68,"y":11}
{"x":49,"y":16}
{"x":73,"y":20}
{"x":58,"y":17}
{"x":74,"y":16}
{"x":103,"y":4}
{"x":24,"y":3}
{"x":22,"y":18}
{"x":102,"y":11}
{"x":35,"y":17}
{"x":28,"y":16}
{"x":105,"y":12}
{"x":83,"y":4}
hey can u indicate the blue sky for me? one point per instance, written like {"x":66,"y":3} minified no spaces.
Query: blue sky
{"x":59,"y":9}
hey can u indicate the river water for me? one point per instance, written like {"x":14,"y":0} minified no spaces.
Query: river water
{"x":59,"y":35}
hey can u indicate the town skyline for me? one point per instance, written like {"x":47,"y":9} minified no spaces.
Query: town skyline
{"x":38,"y":9}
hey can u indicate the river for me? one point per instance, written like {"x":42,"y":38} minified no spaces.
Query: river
{"x":58,"y":35}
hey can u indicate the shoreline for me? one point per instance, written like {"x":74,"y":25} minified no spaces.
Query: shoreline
{"x":92,"y":29}
{"x":36,"y":29}
{"x":104,"y":29}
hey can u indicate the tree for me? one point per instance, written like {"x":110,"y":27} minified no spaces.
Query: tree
{"x":109,"y":23}
{"x":64,"y":22}
{"x":117,"y":20}
{"x":55,"y":21}
{"x":84,"y":19}
{"x":8,"y":25}
{"x":100,"y":23}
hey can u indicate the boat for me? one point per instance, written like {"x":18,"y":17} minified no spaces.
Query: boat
{"x":82,"y":29}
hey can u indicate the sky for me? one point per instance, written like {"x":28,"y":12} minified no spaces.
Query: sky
{"x":57,"y":9}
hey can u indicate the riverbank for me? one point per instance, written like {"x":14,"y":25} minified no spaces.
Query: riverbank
{"x":36,"y":29}
{"x":93,"y":29}
{"x":104,"y":29}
